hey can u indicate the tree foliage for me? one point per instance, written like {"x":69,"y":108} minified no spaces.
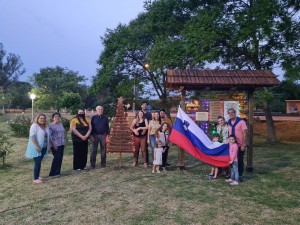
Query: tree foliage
{"x":70,"y":101}
{"x":11,"y":67}
{"x":227,"y":34}
{"x":50,"y":83}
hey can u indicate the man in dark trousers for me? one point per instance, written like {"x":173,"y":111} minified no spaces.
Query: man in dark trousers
{"x":100,"y":132}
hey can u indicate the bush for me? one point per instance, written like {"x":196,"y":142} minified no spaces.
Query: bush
{"x":20,"y":126}
{"x":5,"y":147}
{"x":66,"y":123}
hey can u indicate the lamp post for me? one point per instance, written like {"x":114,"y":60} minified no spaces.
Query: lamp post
{"x":32,"y":97}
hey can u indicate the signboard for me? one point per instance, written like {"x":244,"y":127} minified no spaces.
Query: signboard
{"x":201,"y":116}
{"x":215,"y":110}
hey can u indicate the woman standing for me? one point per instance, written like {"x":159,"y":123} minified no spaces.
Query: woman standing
{"x":139,"y":127}
{"x":38,"y":145}
{"x":223,"y":131}
{"x":57,"y":133}
{"x":81,"y":129}
{"x":154,"y":125}
{"x":162,"y":135}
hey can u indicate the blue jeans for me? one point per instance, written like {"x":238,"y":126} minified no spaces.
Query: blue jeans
{"x":57,"y":160}
{"x":234,"y":171}
{"x":152,"y":143}
{"x":37,"y":164}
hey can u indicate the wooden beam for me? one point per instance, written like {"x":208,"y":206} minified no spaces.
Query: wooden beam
{"x":249,"y":166}
{"x":181,"y":151}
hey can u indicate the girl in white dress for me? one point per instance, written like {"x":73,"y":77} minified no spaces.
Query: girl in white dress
{"x":157,"y":162}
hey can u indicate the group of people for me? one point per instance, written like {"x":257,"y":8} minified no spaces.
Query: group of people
{"x":146,"y":130}
{"x":233,"y":133}
{"x":42,"y":138}
{"x":153,"y":131}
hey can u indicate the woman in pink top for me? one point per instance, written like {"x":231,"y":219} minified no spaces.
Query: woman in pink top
{"x":233,"y":152}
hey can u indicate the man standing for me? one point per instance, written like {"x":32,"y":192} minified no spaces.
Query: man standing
{"x":100,"y":132}
{"x":165,"y":119}
{"x":238,"y":128}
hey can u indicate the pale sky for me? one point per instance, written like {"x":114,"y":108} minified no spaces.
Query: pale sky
{"x":62,"y":33}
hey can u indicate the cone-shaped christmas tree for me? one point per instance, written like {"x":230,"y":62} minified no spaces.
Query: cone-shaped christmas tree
{"x":120,"y":137}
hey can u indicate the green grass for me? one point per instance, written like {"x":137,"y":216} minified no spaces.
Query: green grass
{"x":136,"y":196}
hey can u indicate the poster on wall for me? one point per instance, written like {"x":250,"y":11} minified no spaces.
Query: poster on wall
{"x":215,"y":110}
{"x":201,"y":116}
{"x":231,"y":105}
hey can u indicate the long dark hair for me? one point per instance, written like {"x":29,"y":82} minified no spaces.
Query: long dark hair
{"x":159,"y":118}
{"x":78,"y":118}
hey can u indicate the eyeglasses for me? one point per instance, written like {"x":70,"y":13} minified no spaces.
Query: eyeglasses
{"x":231,"y":112}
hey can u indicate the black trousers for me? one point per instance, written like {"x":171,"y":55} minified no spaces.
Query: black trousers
{"x":165,"y":156}
{"x":57,"y":160}
{"x":241,"y":162}
{"x":80,"y":152}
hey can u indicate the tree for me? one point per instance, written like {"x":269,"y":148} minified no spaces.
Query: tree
{"x":11,"y":67}
{"x":247,"y":35}
{"x":71,"y":101}
{"x":19,"y":94}
{"x":50,"y":83}
{"x":243,"y":34}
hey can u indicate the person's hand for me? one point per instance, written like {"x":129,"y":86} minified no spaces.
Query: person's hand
{"x":148,"y":141}
{"x":92,"y":138}
{"x":107,"y":139}
{"x":136,"y":132}
{"x":243,"y":148}
{"x":230,"y":163}
{"x":37,"y":148}
{"x":54,"y":146}
{"x":83,"y":137}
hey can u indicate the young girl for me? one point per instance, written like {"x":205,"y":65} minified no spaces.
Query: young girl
{"x":233,"y":150}
{"x":162,"y":135}
{"x":214,"y":170}
{"x":157,"y":162}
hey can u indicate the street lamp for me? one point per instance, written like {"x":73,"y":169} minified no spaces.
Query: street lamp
{"x":32,"y":97}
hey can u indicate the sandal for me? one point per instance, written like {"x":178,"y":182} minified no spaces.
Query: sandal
{"x":41,"y":178}
{"x":38,"y":181}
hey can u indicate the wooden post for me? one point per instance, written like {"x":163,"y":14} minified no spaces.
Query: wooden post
{"x":120,"y":160}
{"x":181,"y":151}
{"x":249,"y":166}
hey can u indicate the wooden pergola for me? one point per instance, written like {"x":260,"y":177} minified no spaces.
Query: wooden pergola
{"x":222,"y":80}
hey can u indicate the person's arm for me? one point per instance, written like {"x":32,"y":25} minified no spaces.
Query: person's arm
{"x":33,"y":134}
{"x":148,"y":139}
{"x":52,"y":143}
{"x":132,"y":127}
{"x":73,"y":129}
{"x":244,"y":141}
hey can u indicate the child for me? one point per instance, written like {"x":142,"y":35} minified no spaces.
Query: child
{"x":163,"y":134}
{"x":214,"y":170}
{"x":233,"y":151}
{"x":157,"y":162}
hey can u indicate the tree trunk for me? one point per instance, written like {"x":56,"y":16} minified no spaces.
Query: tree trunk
{"x":270,"y":123}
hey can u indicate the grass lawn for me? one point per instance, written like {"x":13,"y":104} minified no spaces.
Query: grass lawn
{"x":271,"y":195}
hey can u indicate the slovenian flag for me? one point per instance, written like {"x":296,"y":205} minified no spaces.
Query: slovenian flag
{"x":188,"y":136}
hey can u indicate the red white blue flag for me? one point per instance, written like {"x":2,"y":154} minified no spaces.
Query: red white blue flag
{"x":188,"y":136}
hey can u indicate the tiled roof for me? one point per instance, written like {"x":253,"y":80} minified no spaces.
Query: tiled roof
{"x":220,"y":79}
